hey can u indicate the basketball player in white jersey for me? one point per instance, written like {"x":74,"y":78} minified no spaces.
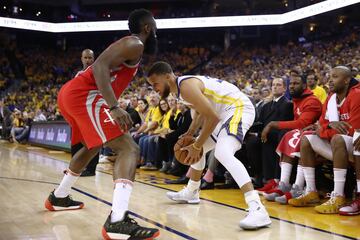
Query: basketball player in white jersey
{"x":225,"y":115}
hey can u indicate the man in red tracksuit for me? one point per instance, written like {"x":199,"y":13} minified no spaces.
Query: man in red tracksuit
{"x":307,"y":110}
{"x":334,"y":141}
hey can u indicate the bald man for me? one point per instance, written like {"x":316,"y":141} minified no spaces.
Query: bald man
{"x":334,"y":141}
{"x":87,"y":58}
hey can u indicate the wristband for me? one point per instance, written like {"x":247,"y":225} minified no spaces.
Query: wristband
{"x":114,"y":107}
{"x":195,"y":147}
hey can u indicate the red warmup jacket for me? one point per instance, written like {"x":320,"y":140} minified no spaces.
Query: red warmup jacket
{"x":349,"y":112}
{"x":307,"y":110}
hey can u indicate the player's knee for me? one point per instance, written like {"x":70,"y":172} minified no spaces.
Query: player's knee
{"x":337,"y":141}
{"x":305,"y":143}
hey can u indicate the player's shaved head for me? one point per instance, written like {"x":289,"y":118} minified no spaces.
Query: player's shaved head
{"x":340,"y":78}
{"x":343,"y":71}
{"x":87,"y":57}
{"x":87,"y":52}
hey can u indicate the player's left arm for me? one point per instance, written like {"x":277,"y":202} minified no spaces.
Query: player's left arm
{"x":192,"y":92}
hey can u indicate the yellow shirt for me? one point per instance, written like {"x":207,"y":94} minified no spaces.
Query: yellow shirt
{"x":320,"y":93}
{"x":153,"y":115}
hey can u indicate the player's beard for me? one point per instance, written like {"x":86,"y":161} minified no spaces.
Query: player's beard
{"x":166,"y":91}
{"x":296,"y":94}
{"x":151,"y":44}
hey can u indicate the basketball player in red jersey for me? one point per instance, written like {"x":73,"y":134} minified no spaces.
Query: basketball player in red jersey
{"x":89,"y":104}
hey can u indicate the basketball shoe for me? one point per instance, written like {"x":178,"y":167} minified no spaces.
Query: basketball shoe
{"x":332,"y":205}
{"x":308,"y":198}
{"x":53,"y":203}
{"x":295,"y":192}
{"x":185,"y":196}
{"x":127,"y":229}
{"x":256,"y":218}
{"x":280,"y":190}
{"x":271,"y":184}
{"x":352,"y":209}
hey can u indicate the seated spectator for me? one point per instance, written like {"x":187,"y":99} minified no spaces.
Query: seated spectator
{"x":135,"y":117}
{"x":179,"y":124}
{"x":307,"y":110}
{"x":263,"y":156}
{"x":318,"y":91}
{"x":39,"y":116}
{"x":19,"y":130}
{"x":333,"y":141}
{"x":147,"y":143}
{"x":152,"y":118}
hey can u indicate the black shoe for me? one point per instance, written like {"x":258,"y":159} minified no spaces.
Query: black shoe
{"x":127,"y":228}
{"x":53,"y":203}
{"x":228,"y":185}
{"x":206,"y":185}
{"x":87,"y":173}
{"x":182,"y":180}
{"x":257,"y":182}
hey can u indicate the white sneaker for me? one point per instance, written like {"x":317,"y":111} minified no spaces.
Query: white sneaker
{"x":256,"y":218}
{"x":185,"y":196}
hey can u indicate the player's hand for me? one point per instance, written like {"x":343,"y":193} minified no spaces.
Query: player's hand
{"x":265,"y":133}
{"x":312,"y":127}
{"x":193,"y":155}
{"x":122,"y":118}
{"x":341,"y":127}
{"x":187,"y":134}
{"x":357,"y":144}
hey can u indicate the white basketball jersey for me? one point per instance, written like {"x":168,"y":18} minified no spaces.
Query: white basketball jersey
{"x":221,"y":94}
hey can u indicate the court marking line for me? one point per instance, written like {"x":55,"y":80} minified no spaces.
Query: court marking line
{"x":215,"y":202}
{"x":242,"y":209}
{"x":169,"y":229}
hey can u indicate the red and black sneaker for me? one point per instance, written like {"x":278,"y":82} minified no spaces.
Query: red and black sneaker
{"x":53,"y":203}
{"x":127,"y":229}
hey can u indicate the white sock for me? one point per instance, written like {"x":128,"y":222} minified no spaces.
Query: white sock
{"x":285,"y":172}
{"x":252,"y":199}
{"x":358,"y":185}
{"x":193,"y":185}
{"x":339,"y":180}
{"x":69,"y":179}
{"x":300,"y":180}
{"x":309,"y":173}
{"x":122,"y":192}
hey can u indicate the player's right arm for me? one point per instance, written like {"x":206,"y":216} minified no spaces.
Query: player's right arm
{"x":126,"y":49}
{"x":195,"y":124}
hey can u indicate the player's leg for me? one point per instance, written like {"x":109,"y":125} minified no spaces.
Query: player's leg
{"x":286,"y":166}
{"x":308,"y":161}
{"x":353,"y":208}
{"x":60,"y":198}
{"x":340,"y":159}
{"x":119,"y":224}
{"x":190,"y":194}
{"x":225,"y":149}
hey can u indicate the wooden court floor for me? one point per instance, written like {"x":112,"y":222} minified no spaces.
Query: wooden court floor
{"x":28,"y":174}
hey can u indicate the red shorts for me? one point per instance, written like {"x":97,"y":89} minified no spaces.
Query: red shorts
{"x":88,"y":116}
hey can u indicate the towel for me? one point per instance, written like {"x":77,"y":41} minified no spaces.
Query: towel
{"x":332,"y":113}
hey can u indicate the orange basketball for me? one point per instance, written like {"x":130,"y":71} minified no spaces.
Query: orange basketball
{"x":181,"y":155}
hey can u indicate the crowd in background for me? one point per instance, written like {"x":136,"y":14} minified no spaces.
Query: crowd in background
{"x":159,"y":122}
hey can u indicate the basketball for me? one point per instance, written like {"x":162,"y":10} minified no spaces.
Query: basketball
{"x":181,"y":155}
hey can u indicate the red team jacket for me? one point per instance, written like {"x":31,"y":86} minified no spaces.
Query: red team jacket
{"x":307,"y":110}
{"x":349,"y":112}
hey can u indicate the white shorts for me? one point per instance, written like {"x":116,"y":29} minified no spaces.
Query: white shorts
{"x":236,"y":121}
{"x":323,"y":148}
